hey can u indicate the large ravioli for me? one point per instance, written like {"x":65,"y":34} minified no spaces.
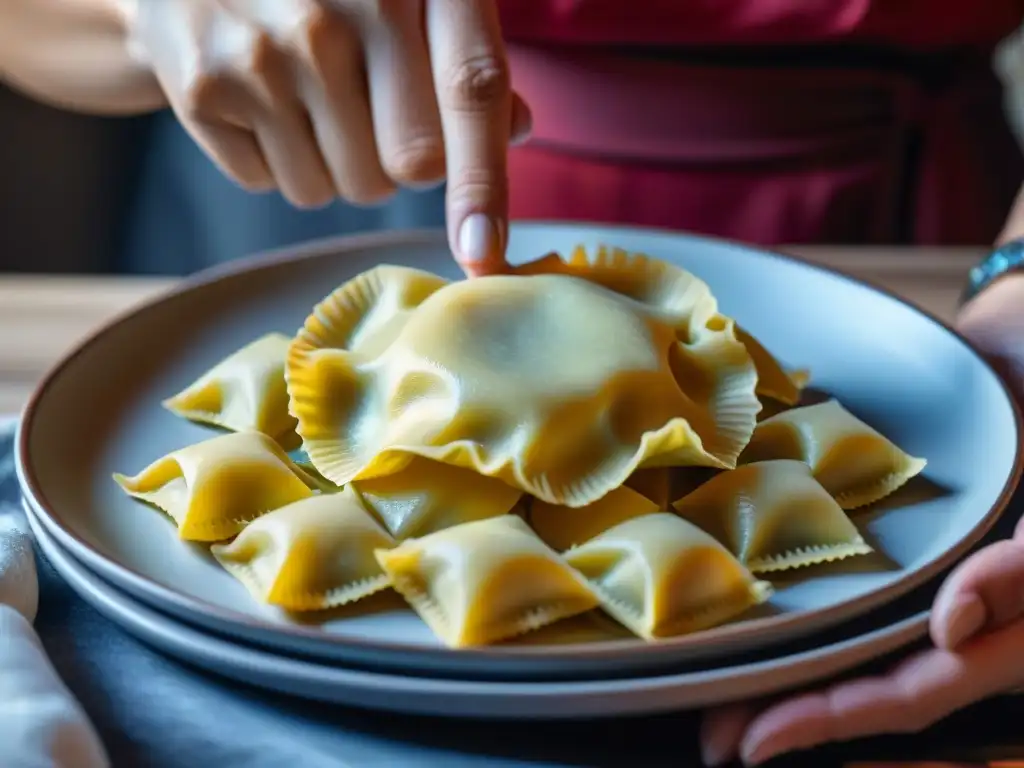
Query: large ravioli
{"x":555,"y":384}
{"x":680,"y":297}
{"x":852,"y":460}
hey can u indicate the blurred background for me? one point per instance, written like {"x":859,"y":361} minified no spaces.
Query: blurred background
{"x":90,"y":195}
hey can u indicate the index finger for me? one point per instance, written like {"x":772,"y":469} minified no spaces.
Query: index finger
{"x":474,"y":93}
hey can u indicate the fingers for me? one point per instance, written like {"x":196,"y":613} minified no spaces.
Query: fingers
{"x":235,"y":152}
{"x":721,"y":731}
{"x":283,"y":128}
{"x":917,"y":693}
{"x":349,"y":98}
{"x":212,"y":109}
{"x":986,"y":590}
{"x":405,"y":110}
{"x":471,"y":79}
{"x":334,"y":87}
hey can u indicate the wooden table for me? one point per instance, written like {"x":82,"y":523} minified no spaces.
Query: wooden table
{"x":42,"y":317}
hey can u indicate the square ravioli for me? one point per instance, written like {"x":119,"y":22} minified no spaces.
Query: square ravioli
{"x":773,"y":516}
{"x":312,"y":554}
{"x":557,"y":385}
{"x":428,"y":496}
{"x":854,"y":462}
{"x":213,"y":489}
{"x":662,"y":576}
{"x":485,"y":581}
{"x":245,"y":392}
{"x":562,"y":528}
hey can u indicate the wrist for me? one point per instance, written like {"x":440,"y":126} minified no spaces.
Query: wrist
{"x":1005,"y":260}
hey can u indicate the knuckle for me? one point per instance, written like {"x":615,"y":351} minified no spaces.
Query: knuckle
{"x":200,"y":99}
{"x":478,"y":83}
{"x":475,"y":187}
{"x":319,"y":30}
{"x":418,"y":160}
{"x":260,"y":53}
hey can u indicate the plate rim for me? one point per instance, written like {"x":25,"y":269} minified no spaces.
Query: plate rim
{"x":912,"y":628}
{"x":160,"y":594}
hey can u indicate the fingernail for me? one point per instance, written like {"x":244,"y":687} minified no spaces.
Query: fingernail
{"x":479,"y":239}
{"x":965,"y":618}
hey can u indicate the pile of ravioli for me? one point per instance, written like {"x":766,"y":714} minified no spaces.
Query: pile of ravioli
{"x":585,"y":433}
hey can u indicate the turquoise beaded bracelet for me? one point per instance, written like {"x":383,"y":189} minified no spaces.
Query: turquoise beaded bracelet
{"x":1006,"y":258}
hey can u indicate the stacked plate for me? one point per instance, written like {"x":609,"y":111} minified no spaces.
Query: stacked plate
{"x":898,"y":369}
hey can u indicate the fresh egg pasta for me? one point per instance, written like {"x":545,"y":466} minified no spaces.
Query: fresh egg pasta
{"x":853,"y":461}
{"x":428,"y":496}
{"x":555,"y":385}
{"x":213,"y":489}
{"x":485,"y":581}
{"x":662,"y":576}
{"x":564,"y":527}
{"x":773,"y":516}
{"x":580,"y":449}
{"x":312,"y":554}
{"x":245,"y":392}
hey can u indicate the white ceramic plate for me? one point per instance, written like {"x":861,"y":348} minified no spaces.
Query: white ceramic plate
{"x":900,"y":370}
{"x":474,"y":698}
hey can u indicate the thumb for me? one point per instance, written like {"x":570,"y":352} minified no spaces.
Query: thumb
{"x":986,"y":591}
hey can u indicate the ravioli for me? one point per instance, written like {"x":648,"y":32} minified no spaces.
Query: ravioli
{"x":213,"y":489}
{"x":312,"y":554}
{"x":773,"y":516}
{"x":662,"y":576}
{"x":244,"y":392}
{"x":485,"y":581}
{"x":663,"y":485}
{"x":854,"y":462}
{"x":683,"y":300}
{"x":555,"y":385}
{"x":677,"y":297}
{"x":428,"y":496}
{"x":564,"y":527}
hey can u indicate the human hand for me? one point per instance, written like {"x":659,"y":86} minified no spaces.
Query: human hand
{"x":346,"y":98}
{"x":977,"y":620}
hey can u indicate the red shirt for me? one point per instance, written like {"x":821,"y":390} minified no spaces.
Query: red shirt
{"x":770,"y":121}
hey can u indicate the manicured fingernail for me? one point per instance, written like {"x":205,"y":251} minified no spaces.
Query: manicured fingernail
{"x":479,"y":239}
{"x":965,"y":618}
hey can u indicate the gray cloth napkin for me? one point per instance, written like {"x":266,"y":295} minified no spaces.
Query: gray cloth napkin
{"x":150,"y":710}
